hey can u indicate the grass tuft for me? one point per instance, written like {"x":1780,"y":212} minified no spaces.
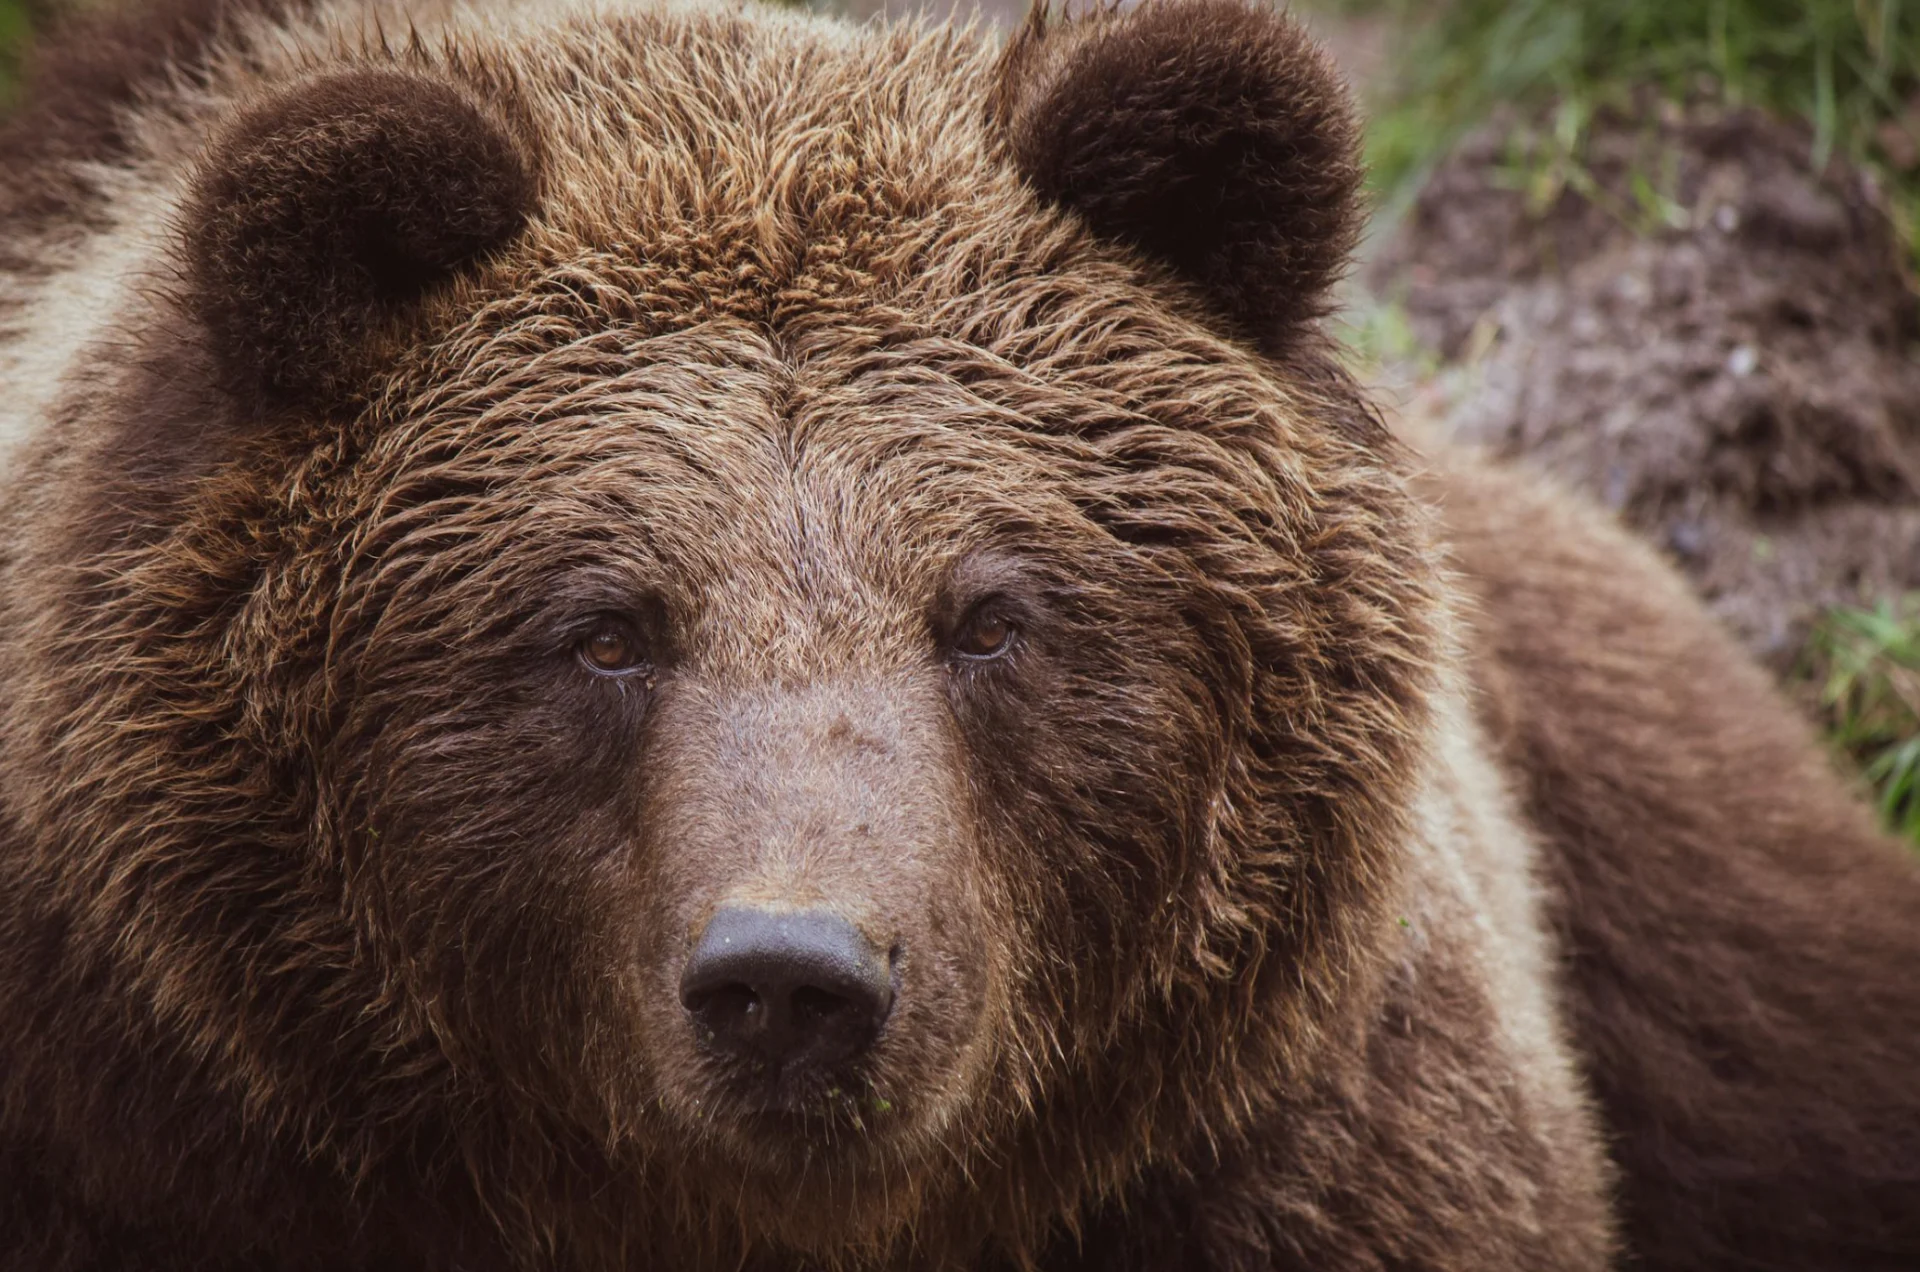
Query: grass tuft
{"x":1866,"y":664}
{"x":13,"y":38}
{"x":1850,"y":68}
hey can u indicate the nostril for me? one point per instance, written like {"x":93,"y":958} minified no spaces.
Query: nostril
{"x":725,"y":1006}
{"x":813,"y":1005}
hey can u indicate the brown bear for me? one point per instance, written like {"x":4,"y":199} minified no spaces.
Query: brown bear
{"x":649,"y":636}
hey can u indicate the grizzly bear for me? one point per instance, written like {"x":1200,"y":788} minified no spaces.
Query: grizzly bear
{"x":651,"y":636}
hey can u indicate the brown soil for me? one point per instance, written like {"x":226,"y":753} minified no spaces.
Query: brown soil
{"x":1741,"y":384}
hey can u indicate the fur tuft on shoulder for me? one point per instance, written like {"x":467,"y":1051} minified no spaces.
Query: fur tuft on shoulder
{"x":1210,"y":134}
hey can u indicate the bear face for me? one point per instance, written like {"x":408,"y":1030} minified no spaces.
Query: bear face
{"x":593,"y":484}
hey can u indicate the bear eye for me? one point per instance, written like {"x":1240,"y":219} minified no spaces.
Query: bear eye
{"x":611,"y":647}
{"x":985,"y":634}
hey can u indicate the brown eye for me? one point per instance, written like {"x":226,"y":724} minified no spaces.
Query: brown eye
{"x":984,"y":636}
{"x":610,"y":647}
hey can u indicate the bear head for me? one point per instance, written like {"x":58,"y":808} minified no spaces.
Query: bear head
{"x":762,"y":635}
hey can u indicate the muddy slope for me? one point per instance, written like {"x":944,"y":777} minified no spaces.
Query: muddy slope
{"x":1731,"y":366}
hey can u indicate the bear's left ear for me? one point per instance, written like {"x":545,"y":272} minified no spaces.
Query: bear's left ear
{"x":330,"y":208}
{"x":1214,"y":136}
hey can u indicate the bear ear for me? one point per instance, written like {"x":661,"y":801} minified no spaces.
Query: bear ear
{"x":326,"y":210}
{"x":1214,"y":136}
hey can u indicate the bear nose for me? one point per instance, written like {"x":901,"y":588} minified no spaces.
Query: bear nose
{"x":795,"y":986}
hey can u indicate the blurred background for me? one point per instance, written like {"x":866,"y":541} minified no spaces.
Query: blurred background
{"x":1667,"y":251}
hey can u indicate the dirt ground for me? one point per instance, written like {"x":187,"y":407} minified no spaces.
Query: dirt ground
{"x":1718,"y":344}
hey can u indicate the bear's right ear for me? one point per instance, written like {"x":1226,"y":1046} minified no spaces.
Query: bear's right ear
{"x":1212,"y":135}
{"x":329,"y":208}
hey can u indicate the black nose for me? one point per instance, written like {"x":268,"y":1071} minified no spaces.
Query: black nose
{"x":800,"y":986}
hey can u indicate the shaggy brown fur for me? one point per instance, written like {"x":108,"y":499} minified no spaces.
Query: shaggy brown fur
{"x":1739,"y":934}
{"x":367,"y":376}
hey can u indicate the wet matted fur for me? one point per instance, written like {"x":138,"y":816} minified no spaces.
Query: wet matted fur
{"x":1348,"y":861}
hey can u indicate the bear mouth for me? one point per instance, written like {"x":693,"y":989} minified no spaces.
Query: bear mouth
{"x":778,"y":1101}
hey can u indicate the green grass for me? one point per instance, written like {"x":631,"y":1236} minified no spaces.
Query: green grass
{"x":1850,"y":68}
{"x":1866,"y":666}
{"x":13,"y":34}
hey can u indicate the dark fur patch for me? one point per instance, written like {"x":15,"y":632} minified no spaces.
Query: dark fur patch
{"x":329,"y":207}
{"x":1212,"y":136}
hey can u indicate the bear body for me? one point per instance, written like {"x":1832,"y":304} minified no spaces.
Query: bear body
{"x":688,"y":637}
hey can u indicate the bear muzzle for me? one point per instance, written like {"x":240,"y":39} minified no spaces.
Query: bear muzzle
{"x":815,"y":945}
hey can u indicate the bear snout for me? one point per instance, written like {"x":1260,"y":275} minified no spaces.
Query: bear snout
{"x":817,"y":904}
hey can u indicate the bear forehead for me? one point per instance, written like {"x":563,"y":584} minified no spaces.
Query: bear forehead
{"x":822,"y":470}
{"x":838,"y":188}
{"x":702,"y":161}
{"x":748,"y":488}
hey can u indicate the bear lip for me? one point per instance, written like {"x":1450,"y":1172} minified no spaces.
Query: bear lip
{"x":779,"y":1099}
